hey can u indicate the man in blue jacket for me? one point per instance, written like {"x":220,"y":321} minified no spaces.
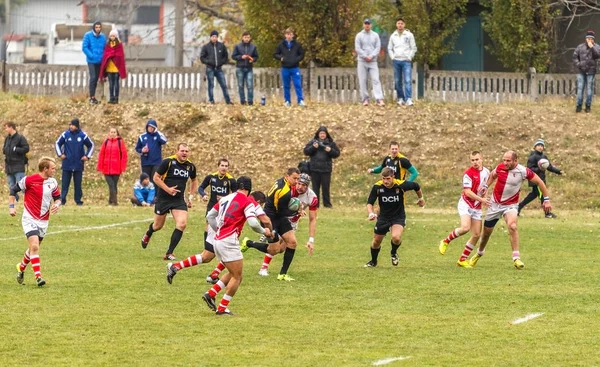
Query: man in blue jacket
{"x":93,"y":48}
{"x":143,"y":191}
{"x":245,"y":55}
{"x":74,"y":147}
{"x":149,"y":146}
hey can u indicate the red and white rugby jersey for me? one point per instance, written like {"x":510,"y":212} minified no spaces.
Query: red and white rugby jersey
{"x":39,"y":193}
{"x":258,"y":210}
{"x":309,"y":200}
{"x":474,"y":180}
{"x":508,"y":186}
{"x":233,"y":210}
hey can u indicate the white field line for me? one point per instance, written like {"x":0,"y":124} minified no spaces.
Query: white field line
{"x":521,"y":320}
{"x":85,"y":228}
{"x":381,"y":362}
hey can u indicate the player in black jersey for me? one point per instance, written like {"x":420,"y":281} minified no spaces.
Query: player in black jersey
{"x":221,"y":184}
{"x":278,"y":212}
{"x":389,"y":194}
{"x":171,"y":179}
{"x":398,"y":163}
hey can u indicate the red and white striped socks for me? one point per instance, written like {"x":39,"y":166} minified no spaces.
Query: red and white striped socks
{"x":215,"y":273}
{"x":466,"y":252}
{"x":454,"y":234}
{"x":224,"y":303}
{"x":266,"y":261}
{"x":515,"y":255}
{"x":216,"y":289}
{"x":189,"y":262}
{"x":25,"y":261}
{"x":35,"y":264}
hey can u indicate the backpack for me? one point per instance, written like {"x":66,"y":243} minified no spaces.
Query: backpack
{"x":304,"y":167}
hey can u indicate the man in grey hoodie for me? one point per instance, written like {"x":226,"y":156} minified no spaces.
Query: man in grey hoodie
{"x":367,"y":45}
{"x":402,"y":48}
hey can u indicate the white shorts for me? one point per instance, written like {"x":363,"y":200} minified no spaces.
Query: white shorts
{"x":32,"y":225}
{"x":497,"y":211}
{"x":465,"y":209}
{"x":228,"y":249}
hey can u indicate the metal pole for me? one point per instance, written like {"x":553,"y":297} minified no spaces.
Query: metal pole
{"x":179,"y":33}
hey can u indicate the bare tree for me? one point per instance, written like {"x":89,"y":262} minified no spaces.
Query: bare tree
{"x":221,"y":9}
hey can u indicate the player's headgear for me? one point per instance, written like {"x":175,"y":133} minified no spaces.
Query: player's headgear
{"x":305,"y":179}
{"x":244,"y":183}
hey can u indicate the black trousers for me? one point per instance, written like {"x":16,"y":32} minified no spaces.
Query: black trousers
{"x":149,"y":170}
{"x":113,"y":86}
{"x":322,"y":181}
{"x":112,"y":181}
{"x":534,"y":194}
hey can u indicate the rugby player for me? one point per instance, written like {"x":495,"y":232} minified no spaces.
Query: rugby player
{"x":171,"y":178}
{"x":398,"y":163}
{"x":389,"y":194}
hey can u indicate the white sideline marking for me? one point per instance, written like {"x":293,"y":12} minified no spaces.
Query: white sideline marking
{"x":381,"y":362}
{"x":521,"y":320}
{"x":84,"y":228}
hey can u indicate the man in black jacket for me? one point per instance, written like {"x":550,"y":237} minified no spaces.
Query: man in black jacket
{"x":584,"y":58}
{"x":290,"y":53}
{"x":245,"y":55}
{"x":321,"y":150}
{"x":533,"y":164}
{"x":214,"y":55}
{"x":15,"y":150}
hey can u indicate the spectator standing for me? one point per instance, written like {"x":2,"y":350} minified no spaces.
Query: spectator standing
{"x":113,"y":65}
{"x":290,"y":53}
{"x":245,"y":54}
{"x":74,"y":147}
{"x":214,"y":55}
{"x":15,"y":151}
{"x":93,"y":48}
{"x":149,"y":146}
{"x":367,"y":46}
{"x":322,"y":150}
{"x":584,"y":58}
{"x":143,"y":191}
{"x":112,"y":161}
{"x":402,"y":48}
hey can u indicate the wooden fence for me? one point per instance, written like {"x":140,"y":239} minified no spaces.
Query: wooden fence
{"x":323,"y":85}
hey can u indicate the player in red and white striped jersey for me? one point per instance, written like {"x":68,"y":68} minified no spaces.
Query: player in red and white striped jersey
{"x":228,"y":217}
{"x":469,"y":208}
{"x":42,"y":197}
{"x":505,"y":203}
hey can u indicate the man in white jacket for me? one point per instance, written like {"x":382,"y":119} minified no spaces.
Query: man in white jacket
{"x":367,"y":45}
{"x":402,"y":48}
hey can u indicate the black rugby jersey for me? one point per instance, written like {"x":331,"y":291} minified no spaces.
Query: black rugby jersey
{"x":399,"y":164}
{"x":391,"y":200}
{"x":219,"y":186}
{"x":278,"y":199}
{"x":175,"y":173}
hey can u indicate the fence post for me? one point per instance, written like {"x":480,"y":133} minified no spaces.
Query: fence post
{"x":203,"y":89}
{"x":533,"y":85}
{"x":4,"y":79}
{"x":312,"y":82}
{"x":415,"y":81}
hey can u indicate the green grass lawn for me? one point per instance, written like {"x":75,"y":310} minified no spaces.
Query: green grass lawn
{"x":107,"y":301}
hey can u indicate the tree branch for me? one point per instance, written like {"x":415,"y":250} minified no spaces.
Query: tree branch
{"x":195,"y":7}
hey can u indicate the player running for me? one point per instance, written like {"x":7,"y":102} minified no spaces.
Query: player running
{"x":469,"y":208}
{"x":171,"y":179}
{"x":309,"y":200}
{"x":389,"y":194}
{"x":505,"y":203}
{"x":398,"y":163}
{"x":258,"y":198}
{"x":227,"y":218}
{"x":40,"y":189}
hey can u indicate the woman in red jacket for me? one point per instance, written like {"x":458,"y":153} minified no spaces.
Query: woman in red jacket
{"x":112,"y":162}
{"x":113,"y":65}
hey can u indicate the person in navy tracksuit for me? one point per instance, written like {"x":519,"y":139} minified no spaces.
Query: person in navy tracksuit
{"x":74,"y":147}
{"x":149,"y":146}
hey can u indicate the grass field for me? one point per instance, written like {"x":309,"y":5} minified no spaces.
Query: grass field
{"x":107,"y":301}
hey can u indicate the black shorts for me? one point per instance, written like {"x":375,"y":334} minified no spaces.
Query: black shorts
{"x":383,"y":225}
{"x":209,"y":247}
{"x":164,"y":206}
{"x":281,"y":225}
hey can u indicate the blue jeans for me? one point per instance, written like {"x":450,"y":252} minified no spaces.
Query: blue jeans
{"x":245,"y":76}
{"x":113,"y":85}
{"x":13,"y":178}
{"x":66,"y":181}
{"x":210,"y":78}
{"x":585,"y":81}
{"x":403,"y":75}
{"x":94,"y":71}
{"x":296,"y":77}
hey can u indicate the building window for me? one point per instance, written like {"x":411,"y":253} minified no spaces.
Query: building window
{"x":148,"y":15}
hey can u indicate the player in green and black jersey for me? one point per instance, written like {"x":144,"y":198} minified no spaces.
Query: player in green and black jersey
{"x":171,"y":179}
{"x":398,"y":163}
{"x":278,"y":212}
{"x":389,"y":194}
